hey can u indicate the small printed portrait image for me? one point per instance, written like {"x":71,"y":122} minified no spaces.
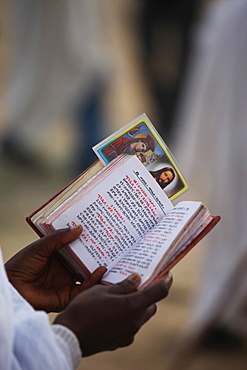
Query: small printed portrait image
{"x":142,"y":157}
{"x":134,"y":130}
{"x":140,"y":143}
{"x":164,"y":176}
{"x":154,"y":157}
{"x":138,"y":140}
{"x":167,"y":176}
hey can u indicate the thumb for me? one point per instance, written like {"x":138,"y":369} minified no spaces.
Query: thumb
{"x":126,"y":286}
{"x":55,"y":241}
{"x":154,"y":292}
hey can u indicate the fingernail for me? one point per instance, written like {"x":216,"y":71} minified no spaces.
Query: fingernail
{"x":103,"y":268}
{"x":135,"y":278}
{"x":168,"y":280}
{"x":77,"y":227}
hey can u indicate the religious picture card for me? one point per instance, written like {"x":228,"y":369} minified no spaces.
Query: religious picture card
{"x":140,"y":138}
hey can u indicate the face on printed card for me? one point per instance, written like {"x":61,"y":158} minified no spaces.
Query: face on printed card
{"x":140,"y":138}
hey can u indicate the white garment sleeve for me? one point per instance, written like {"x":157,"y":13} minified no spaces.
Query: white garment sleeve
{"x":27,"y":339}
{"x":71,"y":340}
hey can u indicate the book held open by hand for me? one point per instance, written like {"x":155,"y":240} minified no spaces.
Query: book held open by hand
{"x":129,"y":223}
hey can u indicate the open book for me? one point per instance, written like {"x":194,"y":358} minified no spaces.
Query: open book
{"x":129,"y":223}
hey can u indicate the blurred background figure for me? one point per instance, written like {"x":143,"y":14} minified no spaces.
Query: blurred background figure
{"x":58,"y":65}
{"x":164,"y":30}
{"x":65,"y":62}
{"x":211,"y":148}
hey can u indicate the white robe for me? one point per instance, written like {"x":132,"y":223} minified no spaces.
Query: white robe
{"x":58,"y":53}
{"x":210,"y":145}
{"x":27,"y":340}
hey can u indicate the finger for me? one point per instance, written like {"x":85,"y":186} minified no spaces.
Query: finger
{"x":55,"y":241}
{"x":93,"y":279}
{"x":126,"y":286}
{"x":153,"y":293}
{"x":150,"y":312}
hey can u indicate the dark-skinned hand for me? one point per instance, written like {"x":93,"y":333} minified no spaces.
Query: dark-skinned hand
{"x":107,"y":317}
{"x":40,"y":276}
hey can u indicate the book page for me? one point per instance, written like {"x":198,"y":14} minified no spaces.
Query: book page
{"x":68,"y":191}
{"x":115,"y":214}
{"x":195,"y":231}
{"x":148,"y":253}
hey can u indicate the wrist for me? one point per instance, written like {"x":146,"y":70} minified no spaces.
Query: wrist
{"x":71,"y":340}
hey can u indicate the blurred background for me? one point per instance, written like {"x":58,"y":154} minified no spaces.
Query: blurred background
{"x":73,"y":72}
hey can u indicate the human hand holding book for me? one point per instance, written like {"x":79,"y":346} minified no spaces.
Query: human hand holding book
{"x":42,"y":278}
